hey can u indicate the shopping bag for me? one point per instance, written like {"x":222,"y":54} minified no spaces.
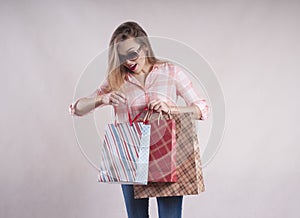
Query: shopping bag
{"x":162,"y":160}
{"x":188,"y":164}
{"x":124,"y":154}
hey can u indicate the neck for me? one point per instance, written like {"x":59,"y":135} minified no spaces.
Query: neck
{"x":146,"y":69}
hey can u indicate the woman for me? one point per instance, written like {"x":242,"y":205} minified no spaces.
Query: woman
{"x":138,"y":79}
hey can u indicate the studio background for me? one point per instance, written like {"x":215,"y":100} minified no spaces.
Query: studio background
{"x":254,"y":49}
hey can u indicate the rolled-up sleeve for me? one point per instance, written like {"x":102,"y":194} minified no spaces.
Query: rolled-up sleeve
{"x":185,"y":89}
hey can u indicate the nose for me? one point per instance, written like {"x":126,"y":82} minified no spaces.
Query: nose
{"x":129,"y":62}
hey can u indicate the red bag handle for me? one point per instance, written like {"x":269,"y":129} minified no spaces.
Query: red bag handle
{"x":131,"y":121}
{"x":136,"y":117}
{"x":146,"y":118}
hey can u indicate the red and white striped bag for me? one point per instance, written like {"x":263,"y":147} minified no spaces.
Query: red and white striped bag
{"x":125,"y":153}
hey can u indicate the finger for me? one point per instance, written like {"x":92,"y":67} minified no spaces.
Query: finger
{"x":161,"y":107}
{"x":113,"y":101}
{"x":157,"y":106}
{"x":119,"y":99}
{"x":115,"y":98}
{"x":120,"y":96}
{"x":152,"y":104}
{"x":164,"y":107}
{"x":106,"y":98}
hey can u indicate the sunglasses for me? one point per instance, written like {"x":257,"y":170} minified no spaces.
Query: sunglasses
{"x":131,"y":56}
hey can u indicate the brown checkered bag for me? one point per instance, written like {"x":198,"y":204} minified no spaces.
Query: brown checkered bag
{"x":189,"y":172}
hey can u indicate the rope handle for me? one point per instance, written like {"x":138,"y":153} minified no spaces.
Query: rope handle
{"x":149,"y":114}
{"x":146,"y":118}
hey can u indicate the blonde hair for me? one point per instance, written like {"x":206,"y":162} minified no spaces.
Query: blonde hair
{"x":116,"y":71}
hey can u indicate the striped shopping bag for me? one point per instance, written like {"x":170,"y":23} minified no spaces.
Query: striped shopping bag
{"x":125,"y":153}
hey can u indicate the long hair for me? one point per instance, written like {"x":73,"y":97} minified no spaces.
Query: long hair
{"x":116,"y":71}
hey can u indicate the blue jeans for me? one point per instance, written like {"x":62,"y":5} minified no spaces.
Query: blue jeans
{"x":168,"y":207}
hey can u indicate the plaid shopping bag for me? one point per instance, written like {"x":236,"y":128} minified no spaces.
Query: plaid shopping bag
{"x":189,"y":171}
{"x":162,"y":160}
{"x":125,"y":153}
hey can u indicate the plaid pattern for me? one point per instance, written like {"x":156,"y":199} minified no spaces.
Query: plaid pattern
{"x":165,"y":82}
{"x":162,"y":162}
{"x":190,"y":179}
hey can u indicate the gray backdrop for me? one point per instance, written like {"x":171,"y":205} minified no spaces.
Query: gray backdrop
{"x":253,"y":47}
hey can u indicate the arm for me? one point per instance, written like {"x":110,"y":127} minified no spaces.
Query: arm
{"x":186,"y":109}
{"x":163,"y":106}
{"x":185,"y":89}
{"x":87,"y":104}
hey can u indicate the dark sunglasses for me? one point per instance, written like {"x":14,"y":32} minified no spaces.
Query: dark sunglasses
{"x":131,"y":56}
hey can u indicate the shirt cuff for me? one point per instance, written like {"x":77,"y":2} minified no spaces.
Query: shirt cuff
{"x":204,"y":109}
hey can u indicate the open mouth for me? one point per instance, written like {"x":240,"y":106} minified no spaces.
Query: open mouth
{"x":132,"y":67}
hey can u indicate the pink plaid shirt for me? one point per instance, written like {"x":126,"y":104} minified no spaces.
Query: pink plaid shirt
{"x":165,"y":82}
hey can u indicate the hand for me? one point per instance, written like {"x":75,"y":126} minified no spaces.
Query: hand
{"x":114,"y":98}
{"x":159,"y":106}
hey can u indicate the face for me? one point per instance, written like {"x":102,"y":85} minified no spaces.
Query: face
{"x":132,"y":55}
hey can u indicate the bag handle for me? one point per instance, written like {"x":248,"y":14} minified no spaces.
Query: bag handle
{"x":149,"y":114}
{"x":137,"y":116}
{"x":131,"y":121}
{"x":146,"y":118}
